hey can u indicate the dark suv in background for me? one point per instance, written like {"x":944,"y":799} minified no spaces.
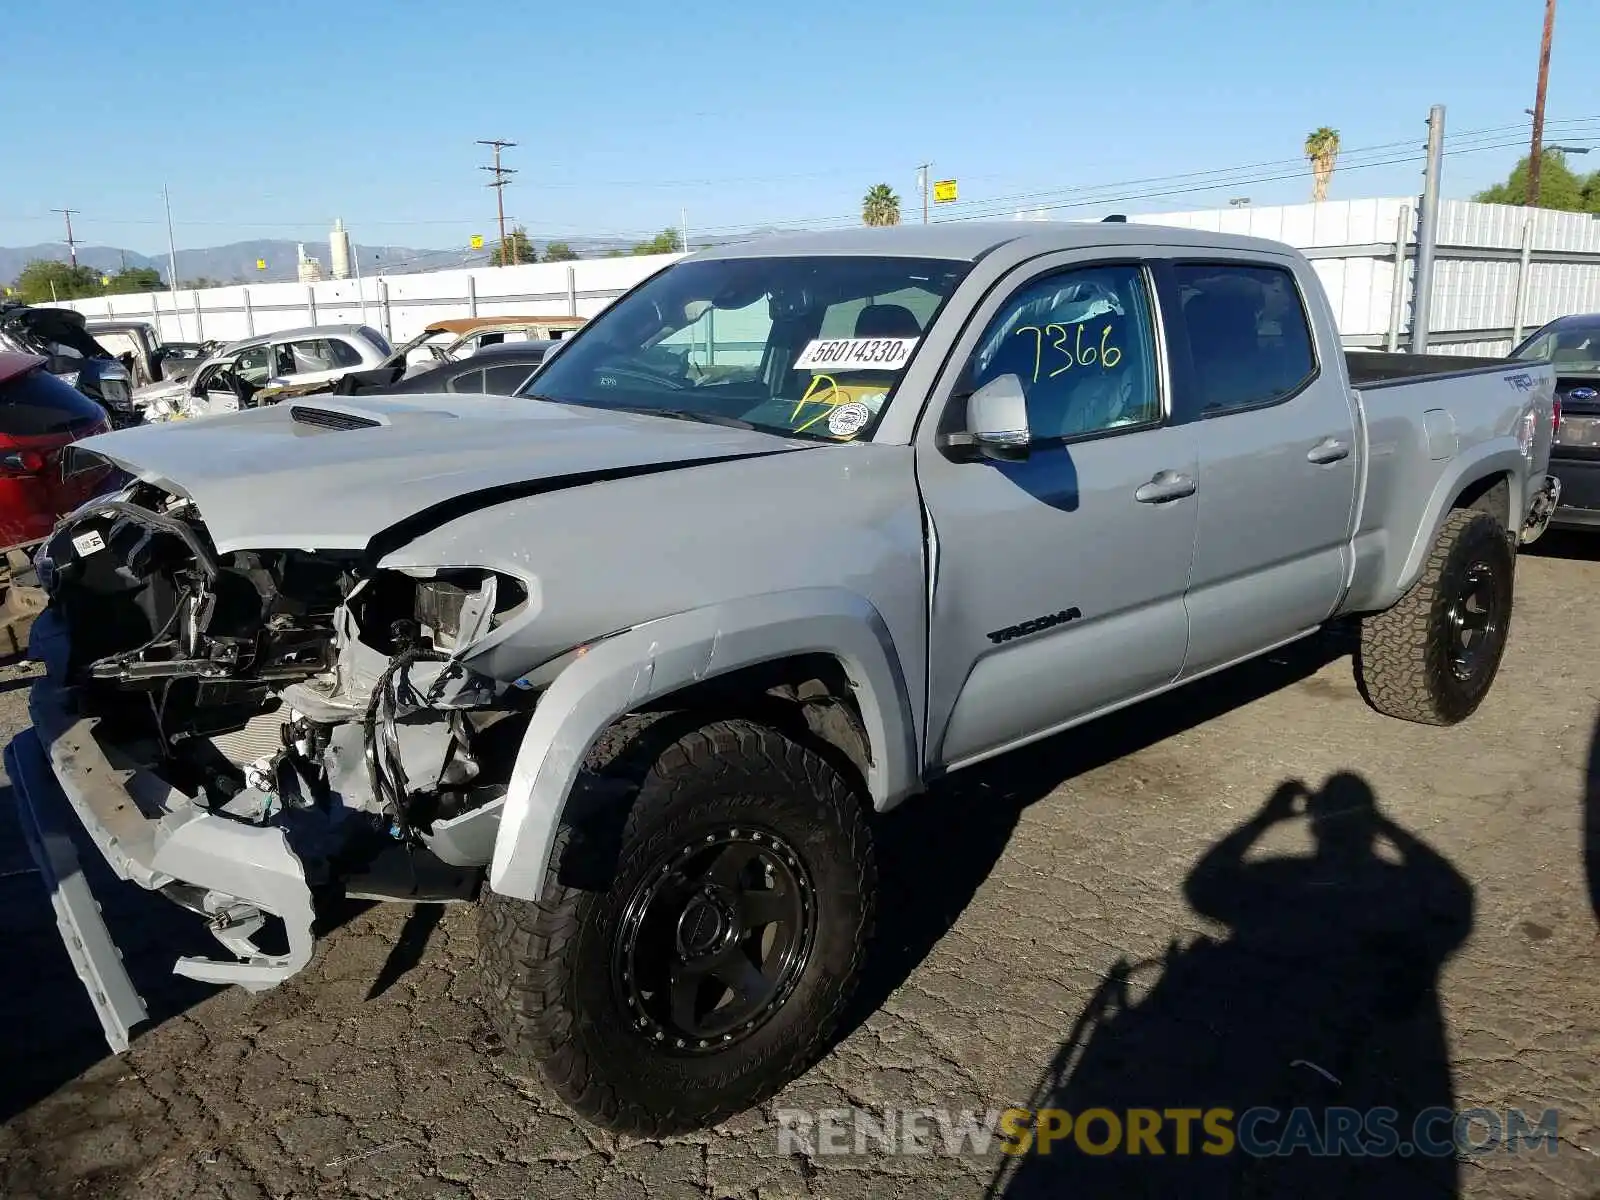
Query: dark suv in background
{"x":1572,"y":346}
{"x":59,"y":336}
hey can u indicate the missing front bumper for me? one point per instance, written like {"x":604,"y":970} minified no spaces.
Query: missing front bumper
{"x":239,"y":874}
{"x":83,"y":931}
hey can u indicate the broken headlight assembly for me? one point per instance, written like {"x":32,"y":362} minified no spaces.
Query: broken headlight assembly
{"x":297,"y":688}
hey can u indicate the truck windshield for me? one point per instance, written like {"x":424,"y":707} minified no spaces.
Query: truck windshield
{"x":801,"y":346}
{"x":1568,"y":347}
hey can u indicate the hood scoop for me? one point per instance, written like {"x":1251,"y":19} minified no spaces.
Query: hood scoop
{"x":335,"y":418}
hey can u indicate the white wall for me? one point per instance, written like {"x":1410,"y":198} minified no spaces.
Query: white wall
{"x":400,"y":305}
{"x":1351,"y":243}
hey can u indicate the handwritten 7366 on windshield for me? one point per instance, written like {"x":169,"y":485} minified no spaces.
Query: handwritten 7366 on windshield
{"x":1076,"y":355}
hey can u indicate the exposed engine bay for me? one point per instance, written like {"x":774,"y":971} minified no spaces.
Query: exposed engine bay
{"x":300,"y":690}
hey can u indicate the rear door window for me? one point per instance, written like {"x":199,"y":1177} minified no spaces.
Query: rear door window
{"x":472,"y":381}
{"x":344,"y":354}
{"x":502,"y":381}
{"x":306,"y":356}
{"x":1249,"y":337}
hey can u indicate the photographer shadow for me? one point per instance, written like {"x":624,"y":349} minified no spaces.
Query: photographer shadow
{"x":1322,"y":995}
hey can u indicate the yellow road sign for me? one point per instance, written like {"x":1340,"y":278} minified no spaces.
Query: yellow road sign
{"x":944,"y":191}
{"x":261,"y":264}
{"x":477,"y":241}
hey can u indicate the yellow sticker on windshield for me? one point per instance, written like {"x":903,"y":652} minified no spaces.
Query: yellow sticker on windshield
{"x":829,"y":397}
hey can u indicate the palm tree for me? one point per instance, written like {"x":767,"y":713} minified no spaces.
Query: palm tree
{"x":1322,"y":148}
{"x":880,"y":206}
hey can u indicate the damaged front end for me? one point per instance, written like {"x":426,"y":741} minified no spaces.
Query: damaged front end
{"x":244,"y":732}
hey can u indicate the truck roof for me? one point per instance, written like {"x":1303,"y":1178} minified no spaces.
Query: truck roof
{"x":971,"y":240}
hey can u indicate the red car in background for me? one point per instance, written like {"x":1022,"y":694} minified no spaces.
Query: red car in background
{"x":40,"y":416}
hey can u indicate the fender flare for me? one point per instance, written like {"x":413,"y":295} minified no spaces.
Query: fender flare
{"x":1502,"y":456}
{"x":621,"y":673}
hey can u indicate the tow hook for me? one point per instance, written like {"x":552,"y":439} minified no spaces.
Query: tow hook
{"x":1542,"y":509}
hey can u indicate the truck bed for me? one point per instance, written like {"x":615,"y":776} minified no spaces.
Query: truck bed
{"x":1421,"y":414}
{"x":1377,"y":368}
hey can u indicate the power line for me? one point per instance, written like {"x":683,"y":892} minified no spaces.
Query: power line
{"x":501,"y":178}
{"x":1066,"y":197}
{"x":1094,"y":201}
{"x":1088,"y":195}
{"x":1568,"y":126}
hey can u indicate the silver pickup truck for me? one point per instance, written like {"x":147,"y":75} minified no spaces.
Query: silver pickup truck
{"x":789,"y":532}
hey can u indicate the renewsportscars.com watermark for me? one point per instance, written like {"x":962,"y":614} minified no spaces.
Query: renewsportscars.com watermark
{"x":1260,"y":1132}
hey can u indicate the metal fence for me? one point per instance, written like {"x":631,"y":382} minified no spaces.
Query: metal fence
{"x":400,"y":305}
{"x":1499,"y":272}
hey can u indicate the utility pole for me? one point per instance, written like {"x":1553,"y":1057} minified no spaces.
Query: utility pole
{"x":1427,"y":233}
{"x":498,"y":183}
{"x":685,"y":215}
{"x":172,"y":254}
{"x":1536,"y":155}
{"x":922,"y":182}
{"x":72,"y":246}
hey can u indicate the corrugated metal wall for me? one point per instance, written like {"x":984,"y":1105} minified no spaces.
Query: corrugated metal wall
{"x":1476,"y":268}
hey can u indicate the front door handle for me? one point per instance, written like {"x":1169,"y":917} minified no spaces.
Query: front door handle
{"x":1328,"y":450}
{"x":1164,"y":487}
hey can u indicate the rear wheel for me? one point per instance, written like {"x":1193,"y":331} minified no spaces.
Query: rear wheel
{"x":1432,"y":657}
{"x":711,"y":959}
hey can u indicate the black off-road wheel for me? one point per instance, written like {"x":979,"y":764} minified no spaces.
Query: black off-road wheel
{"x":1432,"y":657}
{"x":702,"y":927}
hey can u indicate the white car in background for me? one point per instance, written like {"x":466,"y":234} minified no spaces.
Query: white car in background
{"x":227,"y":380}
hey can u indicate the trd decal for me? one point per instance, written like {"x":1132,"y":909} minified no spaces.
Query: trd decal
{"x":1037,"y":625}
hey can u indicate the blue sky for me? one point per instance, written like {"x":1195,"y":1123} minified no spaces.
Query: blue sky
{"x":269,"y":121}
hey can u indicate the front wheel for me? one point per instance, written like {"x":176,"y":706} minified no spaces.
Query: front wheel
{"x":714,"y":963}
{"x":1432,"y":657}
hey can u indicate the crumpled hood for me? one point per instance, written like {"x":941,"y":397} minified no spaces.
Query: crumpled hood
{"x":265,"y":479}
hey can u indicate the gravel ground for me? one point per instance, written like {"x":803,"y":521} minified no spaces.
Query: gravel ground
{"x":1088,"y":923}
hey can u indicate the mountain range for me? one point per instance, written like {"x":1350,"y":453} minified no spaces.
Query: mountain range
{"x":233,"y":263}
{"x":236,"y":262}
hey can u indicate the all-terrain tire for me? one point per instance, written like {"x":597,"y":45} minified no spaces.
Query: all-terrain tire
{"x":653,"y":784}
{"x":1404,"y":665}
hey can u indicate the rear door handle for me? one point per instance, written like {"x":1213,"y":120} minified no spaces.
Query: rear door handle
{"x":1328,"y":450}
{"x":1164,"y":487}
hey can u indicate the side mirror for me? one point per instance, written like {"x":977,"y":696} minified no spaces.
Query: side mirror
{"x":997,"y":421}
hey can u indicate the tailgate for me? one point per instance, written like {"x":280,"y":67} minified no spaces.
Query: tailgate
{"x":1578,"y":435}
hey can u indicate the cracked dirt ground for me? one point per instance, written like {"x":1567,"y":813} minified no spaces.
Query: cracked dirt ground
{"x":1010,"y":896}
